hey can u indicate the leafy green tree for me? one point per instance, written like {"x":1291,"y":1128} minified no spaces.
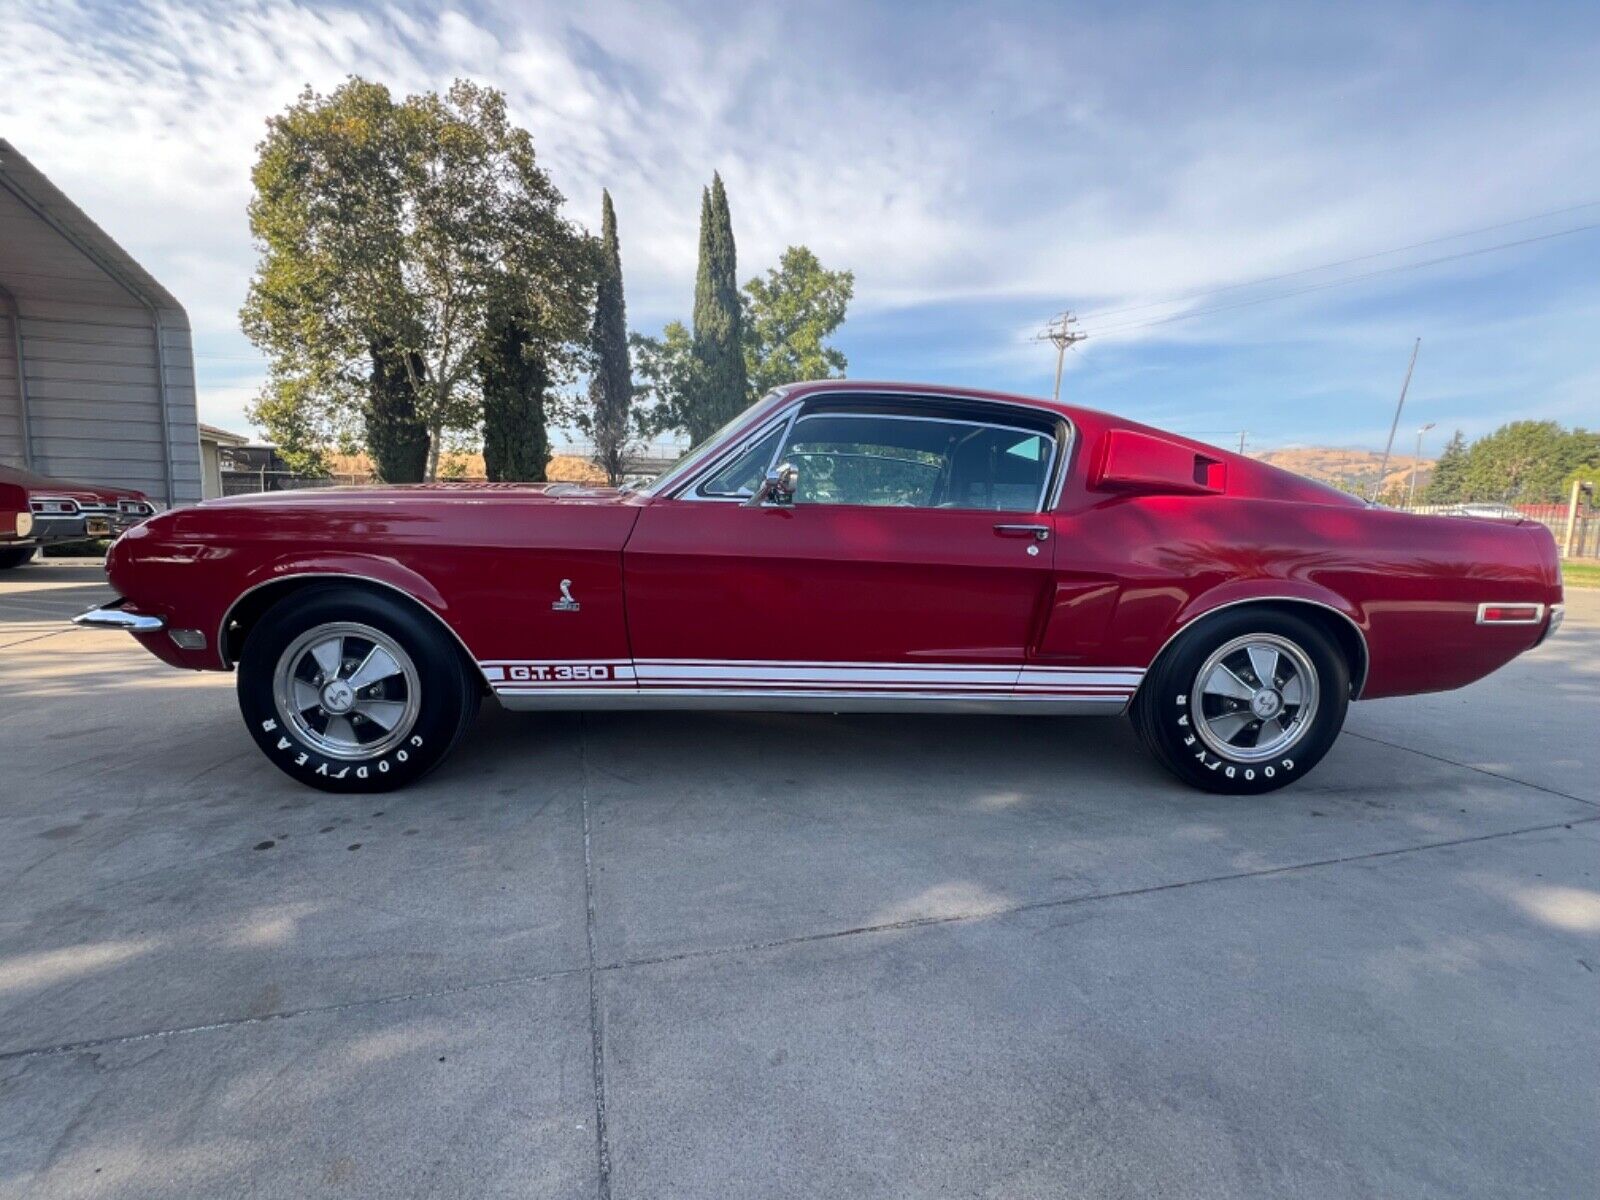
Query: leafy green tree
{"x":301,"y":428}
{"x":788,"y":317}
{"x":668,"y":367}
{"x":326,"y":162}
{"x":1448,"y":485}
{"x":1587,"y":469}
{"x":388,"y":233}
{"x":1524,"y":461}
{"x":606,"y":421}
{"x":721,"y":387}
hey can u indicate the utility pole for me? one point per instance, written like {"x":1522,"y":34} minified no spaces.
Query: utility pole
{"x":1061,"y":334}
{"x":1242,"y":432}
{"x":1383,"y":468}
{"x":1411,"y":492}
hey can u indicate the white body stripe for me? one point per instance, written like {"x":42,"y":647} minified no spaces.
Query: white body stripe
{"x":685,"y":678}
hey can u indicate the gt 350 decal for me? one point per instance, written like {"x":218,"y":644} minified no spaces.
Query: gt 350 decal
{"x":510,"y":674}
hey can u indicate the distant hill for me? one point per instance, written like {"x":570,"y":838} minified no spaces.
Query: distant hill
{"x":1350,"y":469}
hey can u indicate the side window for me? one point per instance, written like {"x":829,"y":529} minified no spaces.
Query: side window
{"x":860,"y":459}
{"x":1001,"y":469}
{"x":740,"y":478}
{"x":916,"y":462}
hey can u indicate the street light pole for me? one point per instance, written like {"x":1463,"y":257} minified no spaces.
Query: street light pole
{"x":1411,"y":493}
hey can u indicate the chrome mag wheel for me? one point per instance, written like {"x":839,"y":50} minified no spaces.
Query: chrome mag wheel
{"x":1255,"y":697}
{"x":348,"y":690}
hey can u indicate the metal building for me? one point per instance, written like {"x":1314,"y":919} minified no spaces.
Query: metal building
{"x":96,"y":365}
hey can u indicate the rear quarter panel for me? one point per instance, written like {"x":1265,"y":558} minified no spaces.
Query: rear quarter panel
{"x":1412,"y":585}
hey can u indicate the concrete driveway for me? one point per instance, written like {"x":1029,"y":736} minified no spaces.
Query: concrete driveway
{"x":756,"y":955}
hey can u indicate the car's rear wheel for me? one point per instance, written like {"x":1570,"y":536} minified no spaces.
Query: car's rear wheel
{"x":1244,"y":702}
{"x":349,"y":690}
{"x":15,"y":556}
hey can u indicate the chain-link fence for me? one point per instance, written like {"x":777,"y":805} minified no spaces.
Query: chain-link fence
{"x":245,"y":483}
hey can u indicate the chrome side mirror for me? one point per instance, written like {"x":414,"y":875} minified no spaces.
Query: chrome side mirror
{"x":777,"y":488}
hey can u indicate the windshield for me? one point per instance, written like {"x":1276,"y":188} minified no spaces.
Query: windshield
{"x":696,"y":455}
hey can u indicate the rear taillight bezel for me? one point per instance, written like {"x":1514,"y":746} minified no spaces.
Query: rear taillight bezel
{"x":1509,"y":612}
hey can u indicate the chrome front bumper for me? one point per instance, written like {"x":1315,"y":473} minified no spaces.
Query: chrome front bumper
{"x":116,"y":618}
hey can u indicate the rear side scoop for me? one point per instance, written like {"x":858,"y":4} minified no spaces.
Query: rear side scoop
{"x":1143,"y":462}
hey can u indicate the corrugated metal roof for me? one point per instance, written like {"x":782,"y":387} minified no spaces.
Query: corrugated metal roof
{"x":97,"y":371}
{"x":30,"y":185}
{"x":222,"y":436}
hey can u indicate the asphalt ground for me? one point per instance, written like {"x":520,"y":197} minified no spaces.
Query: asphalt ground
{"x":752,"y":955}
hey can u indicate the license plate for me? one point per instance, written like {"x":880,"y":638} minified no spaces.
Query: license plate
{"x":97,"y":526}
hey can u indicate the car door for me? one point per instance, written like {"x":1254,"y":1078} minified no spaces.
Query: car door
{"x":913,"y":560}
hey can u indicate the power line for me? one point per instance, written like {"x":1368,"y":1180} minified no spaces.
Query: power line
{"x":1319,"y":287}
{"x":1343,"y":262}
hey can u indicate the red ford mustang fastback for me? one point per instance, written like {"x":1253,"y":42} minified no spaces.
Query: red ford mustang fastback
{"x":842,"y":546}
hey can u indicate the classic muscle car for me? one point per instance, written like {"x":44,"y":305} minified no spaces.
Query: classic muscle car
{"x":37,"y":510}
{"x":842,"y":546}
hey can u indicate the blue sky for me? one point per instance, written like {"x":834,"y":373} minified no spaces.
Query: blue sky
{"x":979,"y":167}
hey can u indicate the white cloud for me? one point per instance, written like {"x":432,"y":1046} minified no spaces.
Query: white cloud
{"x":988,"y":155}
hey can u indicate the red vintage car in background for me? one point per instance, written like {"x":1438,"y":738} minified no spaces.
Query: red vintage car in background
{"x":36,"y":510}
{"x":842,"y":546}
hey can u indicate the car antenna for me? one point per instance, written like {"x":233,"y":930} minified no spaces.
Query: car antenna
{"x":1383,"y":467}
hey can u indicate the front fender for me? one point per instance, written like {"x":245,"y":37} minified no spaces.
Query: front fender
{"x":367,"y":568}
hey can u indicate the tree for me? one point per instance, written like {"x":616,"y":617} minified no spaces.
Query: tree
{"x":388,"y":234}
{"x":779,"y":324}
{"x":667,"y":366}
{"x":788,"y":317}
{"x":325,"y":217}
{"x":301,"y":429}
{"x":1448,"y":484}
{"x":397,"y":437}
{"x":533,"y":342}
{"x":514,"y":381}
{"x":607,"y":420}
{"x":720,"y":382}
{"x":1524,"y":461}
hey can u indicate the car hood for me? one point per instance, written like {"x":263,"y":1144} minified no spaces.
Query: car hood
{"x":412,"y":493}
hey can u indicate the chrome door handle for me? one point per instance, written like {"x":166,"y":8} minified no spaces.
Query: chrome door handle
{"x":1039,"y":533}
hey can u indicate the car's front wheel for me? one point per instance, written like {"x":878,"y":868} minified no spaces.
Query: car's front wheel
{"x":1244,"y":702}
{"x":352,"y":691}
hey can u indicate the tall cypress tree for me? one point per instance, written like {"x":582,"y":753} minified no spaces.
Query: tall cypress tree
{"x":611,"y":388}
{"x":720,"y":381}
{"x":514,"y":377}
{"x":1449,"y":481}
